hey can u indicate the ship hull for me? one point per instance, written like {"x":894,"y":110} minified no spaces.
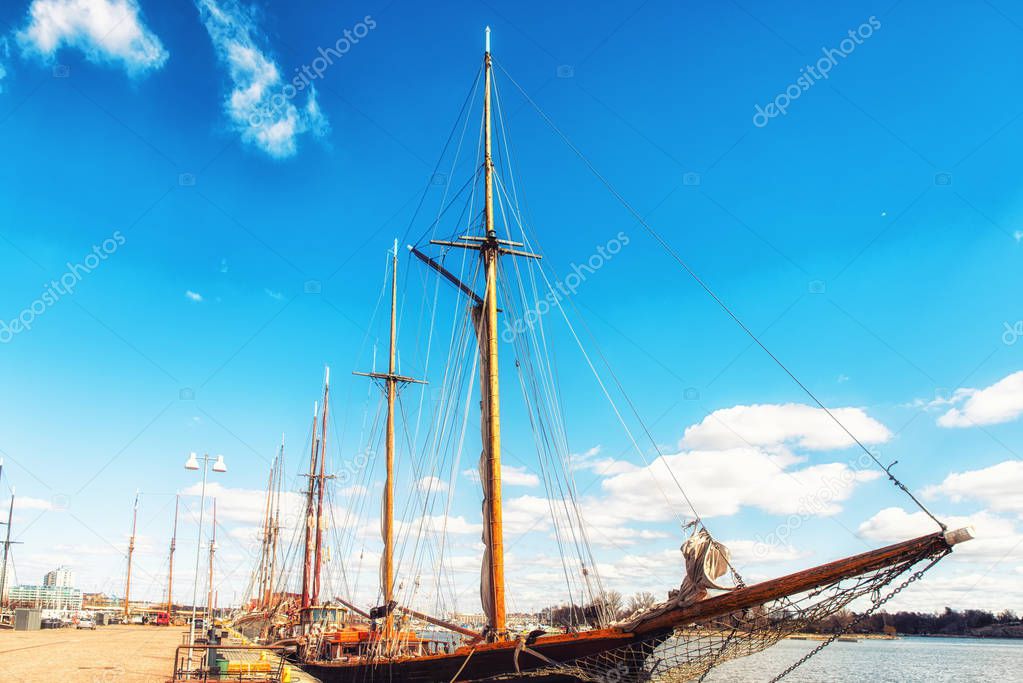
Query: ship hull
{"x":487,"y":662}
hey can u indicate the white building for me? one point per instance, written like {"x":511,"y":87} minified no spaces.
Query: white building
{"x":46,"y":597}
{"x":61,"y":577}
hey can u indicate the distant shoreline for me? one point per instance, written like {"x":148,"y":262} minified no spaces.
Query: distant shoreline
{"x":884,"y":636}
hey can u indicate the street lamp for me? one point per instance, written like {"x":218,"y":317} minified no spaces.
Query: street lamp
{"x":193,"y":463}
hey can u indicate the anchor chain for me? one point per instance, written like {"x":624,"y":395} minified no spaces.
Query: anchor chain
{"x":858,"y":620}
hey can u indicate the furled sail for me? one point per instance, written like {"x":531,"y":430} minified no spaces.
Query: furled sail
{"x":706,"y":561}
{"x":486,"y":590}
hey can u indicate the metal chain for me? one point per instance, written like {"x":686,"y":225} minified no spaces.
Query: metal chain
{"x":873,"y":608}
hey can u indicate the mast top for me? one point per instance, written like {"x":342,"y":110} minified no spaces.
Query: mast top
{"x":487,"y":33}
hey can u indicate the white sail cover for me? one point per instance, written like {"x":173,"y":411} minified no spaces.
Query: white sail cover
{"x":706,"y":561}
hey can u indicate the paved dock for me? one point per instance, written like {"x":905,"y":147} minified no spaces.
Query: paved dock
{"x":110,"y":654}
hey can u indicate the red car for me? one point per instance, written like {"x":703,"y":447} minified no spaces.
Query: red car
{"x":162,"y":619}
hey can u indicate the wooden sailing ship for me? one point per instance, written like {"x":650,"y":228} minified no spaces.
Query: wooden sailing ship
{"x":680,"y":639}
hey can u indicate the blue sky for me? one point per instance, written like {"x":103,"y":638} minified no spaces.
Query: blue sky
{"x":871,"y":235}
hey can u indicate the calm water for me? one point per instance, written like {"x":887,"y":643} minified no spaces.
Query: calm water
{"x":907,"y":660}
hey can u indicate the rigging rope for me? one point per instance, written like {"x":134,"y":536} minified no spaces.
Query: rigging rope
{"x":703,"y":285}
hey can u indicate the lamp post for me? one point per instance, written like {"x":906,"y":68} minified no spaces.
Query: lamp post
{"x":193,"y":464}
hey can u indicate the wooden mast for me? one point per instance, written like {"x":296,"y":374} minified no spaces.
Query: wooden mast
{"x":170,"y":564}
{"x":264,"y":560}
{"x":131,"y":551}
{"x":269,"y":564}
{"x":485,"y":321}
{"x":308,"y":550}
{"x":7,"y":539}
{"x":320,"y":480}
{"x":388,"y":560}
{"x":490,"y":252}
{"x":391,"y":380}
{"x":276,"y":528}
{"x":213,"y":550}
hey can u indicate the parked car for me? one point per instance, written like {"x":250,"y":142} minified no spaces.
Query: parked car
{"x":86,"y":623}
{"x":51,"y":622}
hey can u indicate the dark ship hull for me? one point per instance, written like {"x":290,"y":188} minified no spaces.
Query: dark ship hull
{"x":488,"y":661}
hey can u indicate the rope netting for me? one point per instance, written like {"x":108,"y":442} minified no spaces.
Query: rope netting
{"x":691,"y":651}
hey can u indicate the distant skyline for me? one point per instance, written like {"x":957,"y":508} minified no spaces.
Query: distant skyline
{"x":199,"y":201}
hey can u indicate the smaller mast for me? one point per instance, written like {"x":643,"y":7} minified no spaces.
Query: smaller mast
{"x":276,"y":528}
{"x":213,"y":550}
{"x":307,"y":563}
{"x":7,"y":539}
{"x":131,"y":551}
{"x":391,"y":381}
{"x":170,"y":566}
{"x":261,"y":575}
{"x":320,"y":521}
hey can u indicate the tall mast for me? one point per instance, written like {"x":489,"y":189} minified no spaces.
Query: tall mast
{"x":170,"y":566}
{"x":490,"y":252}
{"x":388,"y":561}
{"x":484,"y":318}
{"x":320,"y":521}
{"x":307,"y":564}
{"x":391,"y":381}
{"x":213,"y":550}
{"x":131,"y":551}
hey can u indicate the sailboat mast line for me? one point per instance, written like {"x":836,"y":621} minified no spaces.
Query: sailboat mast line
{"x":427,"y":503}
{"x":536,"y":383}
{"x":429,"y":181}
{"x":617,"y":412}
{"x":710,"y":292}
{"x":553,"y":459}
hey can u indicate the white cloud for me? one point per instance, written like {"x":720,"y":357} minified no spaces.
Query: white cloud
{"x":5,"y":52}
{"x":602,"y":466}
{"x":996,"y":537}
{"x":1000,"y":402}
{"x":431,"y":483}
{"x":721,"y":483}
{"x":194,"y":296}
{"x":999,"y":487}
{"x":746,"y":552}
{"x":257,"y":106}
{"x":776,"y":425}
{"x":518,"y":476}
{"x":27,"y":503}
{"x":511,"y":475}
{"x":106,"y":31}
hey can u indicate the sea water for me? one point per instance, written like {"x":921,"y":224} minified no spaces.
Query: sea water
{"x":906,"y":660}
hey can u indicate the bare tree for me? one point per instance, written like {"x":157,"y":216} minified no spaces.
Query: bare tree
{"x":641,"y":601}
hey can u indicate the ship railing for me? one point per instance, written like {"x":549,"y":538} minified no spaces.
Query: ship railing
{"x":192,"y":663}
